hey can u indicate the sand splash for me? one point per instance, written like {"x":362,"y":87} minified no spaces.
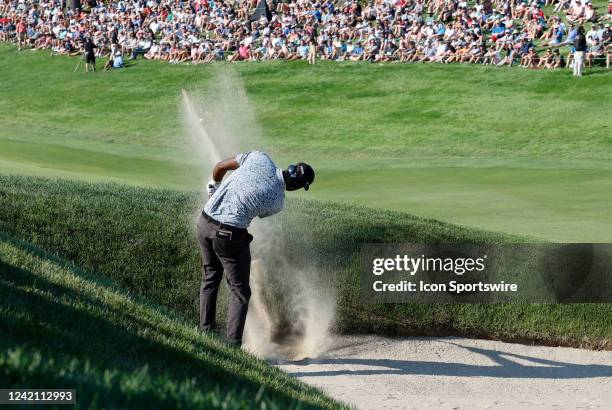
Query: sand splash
{"x":291,"y":311}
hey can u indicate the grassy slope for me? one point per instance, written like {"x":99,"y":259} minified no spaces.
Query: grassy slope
{"x":418,"y":135}
{"x":143,"y":239}
{"x":64,"y":328}
{"x":329,"y":111}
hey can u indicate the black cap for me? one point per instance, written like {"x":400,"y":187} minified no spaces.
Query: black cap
{"x":307,"y":174}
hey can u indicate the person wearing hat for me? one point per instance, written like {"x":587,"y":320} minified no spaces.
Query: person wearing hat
{"x":255,"y":188}
{"x":606,"y":35}
{"x":592,"y":35}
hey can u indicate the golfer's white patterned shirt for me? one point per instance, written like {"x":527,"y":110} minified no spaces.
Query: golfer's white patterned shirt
{"x":256,"y":188}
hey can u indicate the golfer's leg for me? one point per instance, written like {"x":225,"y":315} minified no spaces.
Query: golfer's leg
{"x":212,"y":272}
{"x":236,"y":259}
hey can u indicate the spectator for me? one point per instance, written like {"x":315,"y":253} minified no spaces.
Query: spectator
{"x":204,"y":31}
{"x":90,"y":55}
{"x":118,"y":60}
{"x":606,"y":35}
{"x":595,"y":51}
{"x":530,"y":59}
{"x":558,"y":60}
{"x":546,"y":60}
{"x":22,"y":30}
{"x":312,"y":50}
{"x":592,"y":35}
{"x":109,"y":64}
{"x":143,"y":46}
{"x":580,"y":48}
{"x":357,"y":52}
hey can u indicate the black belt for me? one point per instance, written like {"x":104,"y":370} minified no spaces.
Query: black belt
{"x":220,"y":224}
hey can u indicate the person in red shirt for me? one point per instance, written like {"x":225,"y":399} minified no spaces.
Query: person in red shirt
{"x":22,"y":30}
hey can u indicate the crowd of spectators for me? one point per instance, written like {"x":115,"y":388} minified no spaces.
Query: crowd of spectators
{"x":490,"y":32}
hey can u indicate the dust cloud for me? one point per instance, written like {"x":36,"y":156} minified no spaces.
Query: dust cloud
{"x":292,"y":309}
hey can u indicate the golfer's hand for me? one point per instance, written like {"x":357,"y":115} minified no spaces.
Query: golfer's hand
{"x":211,"y":187}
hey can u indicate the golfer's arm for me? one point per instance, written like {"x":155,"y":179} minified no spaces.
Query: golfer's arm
{"x":222,"y":167}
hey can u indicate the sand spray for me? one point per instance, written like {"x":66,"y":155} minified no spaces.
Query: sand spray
{"x":292,"y":309}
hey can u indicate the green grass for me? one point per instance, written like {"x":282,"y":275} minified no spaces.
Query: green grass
{"x":64,"y":328}
{"x":143,"y":239}
{"x":511,"y":150}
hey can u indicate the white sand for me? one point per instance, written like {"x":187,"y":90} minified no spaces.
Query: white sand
{"x":373,"y":372}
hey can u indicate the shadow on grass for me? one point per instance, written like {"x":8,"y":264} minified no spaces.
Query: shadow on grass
{"x":58,"y":320}
{"x":593,"y":72}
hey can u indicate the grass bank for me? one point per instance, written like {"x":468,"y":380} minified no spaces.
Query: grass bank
{"x":143,"y":239}
{"x":64,"y":328}
{"x":329,"y":111}
{"x":488,"y":147}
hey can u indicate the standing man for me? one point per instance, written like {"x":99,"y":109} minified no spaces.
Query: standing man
{"x":312,"y":45}
{"x":22,"y":30}
{"x":579,"y":50}
{"x":90,"y":54}
{"x":255,"y":188}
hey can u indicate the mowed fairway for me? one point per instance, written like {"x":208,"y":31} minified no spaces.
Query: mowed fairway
{"x":509,"y":150}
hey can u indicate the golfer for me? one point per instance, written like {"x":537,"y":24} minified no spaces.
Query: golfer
{"x":256,"y":188}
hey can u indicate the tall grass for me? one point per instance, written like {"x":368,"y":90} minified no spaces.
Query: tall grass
{"x":143,"y":239}
{"x":64,"y":328}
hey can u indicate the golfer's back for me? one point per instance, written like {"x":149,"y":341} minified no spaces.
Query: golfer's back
{"x":256,"y":188}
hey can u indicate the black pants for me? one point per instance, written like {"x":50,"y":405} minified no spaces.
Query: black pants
{"x":90,"y":58}
{"x":229,"y":253}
